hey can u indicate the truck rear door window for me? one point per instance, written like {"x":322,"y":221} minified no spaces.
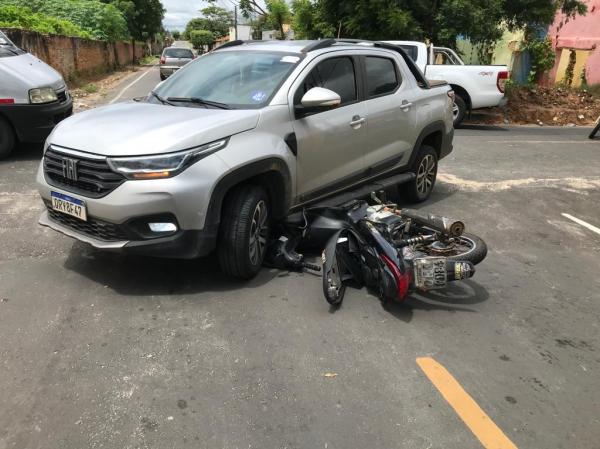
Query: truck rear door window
{"x":382,"y":76}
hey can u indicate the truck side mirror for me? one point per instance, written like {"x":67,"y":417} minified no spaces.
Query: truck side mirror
{"x":317,"y":99}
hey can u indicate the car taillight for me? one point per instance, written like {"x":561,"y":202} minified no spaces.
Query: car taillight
{"x":163,"y":60}
{"x":7,"y":100}
{"x":402,"y":279}
{"x":501,"y":80}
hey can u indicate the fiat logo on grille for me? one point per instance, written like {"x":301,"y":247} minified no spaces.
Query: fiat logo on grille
{"x":69,"y":168}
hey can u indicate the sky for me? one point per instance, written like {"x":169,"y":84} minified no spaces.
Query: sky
{"x":179,"y":12}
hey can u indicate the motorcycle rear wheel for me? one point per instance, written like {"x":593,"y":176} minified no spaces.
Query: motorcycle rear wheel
{"x":469,"y":248}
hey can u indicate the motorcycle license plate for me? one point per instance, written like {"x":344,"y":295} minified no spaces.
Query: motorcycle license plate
{"x":430,"y":273}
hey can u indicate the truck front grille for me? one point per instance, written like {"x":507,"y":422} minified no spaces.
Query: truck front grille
{"x":93,"y":227}
{"x":90,"y":177}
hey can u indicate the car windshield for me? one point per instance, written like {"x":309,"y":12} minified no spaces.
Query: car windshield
{"x":238,"y":79}
{"x":7,"y":48}
{"x":178,"y":53}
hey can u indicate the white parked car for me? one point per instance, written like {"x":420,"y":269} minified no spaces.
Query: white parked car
{"x":475,"y":86}
{"x":33,"y":97}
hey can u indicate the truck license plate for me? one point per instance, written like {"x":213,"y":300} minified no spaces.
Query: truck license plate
{"x":430,"y":273}
{"x":69,"y":205}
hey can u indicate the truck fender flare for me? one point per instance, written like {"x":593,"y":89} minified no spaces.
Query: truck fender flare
{"x":435,"y":127}
{"x":272,"y":173}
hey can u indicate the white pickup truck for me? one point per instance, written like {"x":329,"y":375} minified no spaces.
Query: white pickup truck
{"x":475,"y":86}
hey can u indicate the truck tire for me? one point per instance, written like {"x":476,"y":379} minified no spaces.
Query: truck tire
{"x":459,"y":110}
{"x":244,"y":231}
{"x":7,"y":139}
{"x":425,"y":168}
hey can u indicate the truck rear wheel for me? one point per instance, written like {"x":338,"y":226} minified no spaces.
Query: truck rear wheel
{"x":425,"y":170}
{"x":244,"y":231}
{"x":459,"y":109}
{"x":7,"y":139}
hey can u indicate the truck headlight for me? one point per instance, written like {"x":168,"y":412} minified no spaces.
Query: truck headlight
{"x":162,"y":165}
{"x":42,"y":95}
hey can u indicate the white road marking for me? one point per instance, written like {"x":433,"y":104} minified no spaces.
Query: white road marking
{"x":578,"y":184}
{"x":120,"y":94}
{"x":582,"y":223}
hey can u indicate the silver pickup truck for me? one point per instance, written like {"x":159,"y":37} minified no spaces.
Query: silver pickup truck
{"x":241,"y":137}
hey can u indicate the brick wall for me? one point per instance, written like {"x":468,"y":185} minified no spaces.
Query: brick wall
{"x":73,"y":56}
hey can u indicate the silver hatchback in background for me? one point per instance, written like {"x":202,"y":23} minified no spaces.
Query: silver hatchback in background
{"x":172,"y":59}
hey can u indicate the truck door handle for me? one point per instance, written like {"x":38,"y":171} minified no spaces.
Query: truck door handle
{"x":405,"y":105}
{"x":357,"y":120}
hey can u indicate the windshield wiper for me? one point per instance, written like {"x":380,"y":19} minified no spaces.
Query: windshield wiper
{"x":197,"y":100}
{"x":159,"y":98}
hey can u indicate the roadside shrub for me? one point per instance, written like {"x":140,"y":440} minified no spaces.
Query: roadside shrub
{"x":21,"y":17}
{"x":542,"y":57}
{"x":90,"y":88}
{"x":200,"y":38}
{"x":101,"y":21}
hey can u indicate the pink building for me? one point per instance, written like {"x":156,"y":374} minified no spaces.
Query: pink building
{"x":577,"y":45}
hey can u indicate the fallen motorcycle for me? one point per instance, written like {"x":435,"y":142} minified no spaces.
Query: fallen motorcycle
{"x":391,"y":251}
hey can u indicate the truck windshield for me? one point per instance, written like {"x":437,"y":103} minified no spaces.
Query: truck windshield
{"x":238,"y":79}
{"x":7,"y":48}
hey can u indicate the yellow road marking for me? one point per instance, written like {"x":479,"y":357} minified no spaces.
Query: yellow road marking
{"x":488,"y":433}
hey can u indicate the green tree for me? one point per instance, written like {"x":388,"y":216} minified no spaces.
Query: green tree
{"x":202,"y":38}
{"x":144,"y":17}
{"x":308,"y":22}
{"x":278,"y":14}
{"x":176,"y":35}
{"x":440,"y":21}
{"x":214,"y":19}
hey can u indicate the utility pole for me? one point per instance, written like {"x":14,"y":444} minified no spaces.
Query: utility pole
{"x":235,"y":22}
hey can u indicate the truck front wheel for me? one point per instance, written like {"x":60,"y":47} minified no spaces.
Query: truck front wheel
{"x":459,"y":109}
{"x":244,"y":231}
{"x":7,"y":139}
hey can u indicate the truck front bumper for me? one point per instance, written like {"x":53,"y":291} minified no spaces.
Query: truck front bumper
{"x":120,"y":221}
{"x":180,"y":245}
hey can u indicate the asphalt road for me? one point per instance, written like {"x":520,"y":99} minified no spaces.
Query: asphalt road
{"x":100,"y":350}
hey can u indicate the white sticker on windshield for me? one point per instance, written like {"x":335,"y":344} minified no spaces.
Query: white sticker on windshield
{"x":259,"y":96}
{"x":290,"y":59}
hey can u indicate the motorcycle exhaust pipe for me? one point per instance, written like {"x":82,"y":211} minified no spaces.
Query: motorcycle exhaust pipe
{"x":438,"y":223}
